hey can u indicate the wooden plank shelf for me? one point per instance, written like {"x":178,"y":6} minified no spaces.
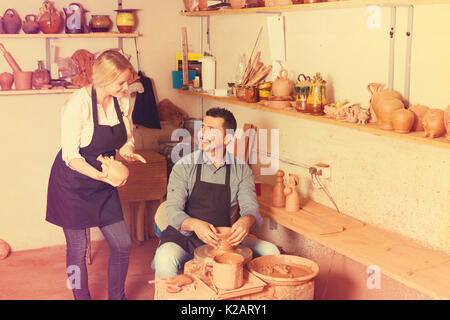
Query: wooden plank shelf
{"x":423,"y":269}
{"x":417,"y":137}
{"x":343,"y":4}
{"x":34,"y":92}
{"x":68,"y":35}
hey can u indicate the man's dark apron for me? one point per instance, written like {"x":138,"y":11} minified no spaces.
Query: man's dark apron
{"x":209,"y":202}
{"x":76,"y":201}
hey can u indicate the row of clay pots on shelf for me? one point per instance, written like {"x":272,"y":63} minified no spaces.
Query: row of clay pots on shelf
{"x":391,"y":114}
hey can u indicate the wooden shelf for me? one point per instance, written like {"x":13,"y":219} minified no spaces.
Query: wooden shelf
{"x":422,"y":269}
{"x":35,"y":91}
{"x":317,"y":6}
{"x":68,"y":35}
{"x":417,"y":137}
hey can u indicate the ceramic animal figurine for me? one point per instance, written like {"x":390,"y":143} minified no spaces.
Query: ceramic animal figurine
{"x":433,"y":123}
{"x":363,"y":116}
{"x":292,"y":196}
{"x":419,"y":112}
{"x":278,"y":197}
{"x":352,"y":113}
{"x":115,"y":171}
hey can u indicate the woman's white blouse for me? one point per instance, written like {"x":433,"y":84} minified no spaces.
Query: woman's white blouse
{"x":77,"y":125}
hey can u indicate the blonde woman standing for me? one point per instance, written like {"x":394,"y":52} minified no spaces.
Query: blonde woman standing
{"x":96,"y":120}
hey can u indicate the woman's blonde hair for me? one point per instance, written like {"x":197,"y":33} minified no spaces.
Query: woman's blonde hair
{"x":108,"y":66}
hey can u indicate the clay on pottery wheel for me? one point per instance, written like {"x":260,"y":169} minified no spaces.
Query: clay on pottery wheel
{"x":115,"y":170}
{"x":402,"y":120}
{"x":6,"y":80}
{"x":223,"y":233}
{"x":385,"y":107}
{"x":419,"y":112}
{"x":447,"y":122}
{"x":292,"y":196}
{"x":433,"y":123}
{"x":278,"y":197}
{"x":4,"y":249}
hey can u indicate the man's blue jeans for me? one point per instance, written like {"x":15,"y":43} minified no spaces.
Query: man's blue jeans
{"x":170,"y":257}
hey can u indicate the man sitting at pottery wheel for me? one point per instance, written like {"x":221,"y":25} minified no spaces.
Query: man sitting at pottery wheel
{"x":203,"y":188}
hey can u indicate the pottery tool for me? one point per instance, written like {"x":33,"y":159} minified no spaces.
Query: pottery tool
{"x":9,"y":58}
{"x":185,"y":62}
{"x":261,"y":74}
{"x":247,"y":71}
{"x":251,"y":69}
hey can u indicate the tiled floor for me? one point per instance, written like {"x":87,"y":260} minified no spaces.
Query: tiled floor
{"x":40,"y":274}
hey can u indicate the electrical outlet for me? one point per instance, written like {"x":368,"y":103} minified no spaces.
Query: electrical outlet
{"x":323,"y":170}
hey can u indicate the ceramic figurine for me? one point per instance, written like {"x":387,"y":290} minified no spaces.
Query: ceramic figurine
{"x":377,"y":92}
{"x":419,"y":112}
{"x":433,"y":123}
{"x":4,"y":249}
{"x":115,"y":171}
{"x":402,"y":120}
{"x":363,"y":116}
{"x":292,"y":196}
{"x":278,"y":197}
{"x":384,"y":109}
{"x":282,"y":86}
{"x":352,"y":113}
{"x":447,"y":122}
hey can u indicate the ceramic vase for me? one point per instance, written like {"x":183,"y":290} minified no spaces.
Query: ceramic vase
{"x":31,"y":24}
{"x":282,"y":86}
{"x":433,"y":123}
{"x":100,"y":23}
{"x":11,"y":21}
{"x":6,"y":80}
{"x":40,"y":76}
{"x":419,"y":112}
{"x":385,"y":107}
{"x":50,"y":20}
{"x":125,"y":20}
{"x":402,"y":120}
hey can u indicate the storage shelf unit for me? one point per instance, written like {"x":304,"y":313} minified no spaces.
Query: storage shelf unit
{"x":417,"y":137}
{"x":316,"y":6}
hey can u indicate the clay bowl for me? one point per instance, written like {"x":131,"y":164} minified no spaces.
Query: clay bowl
{"x":281,"y":98}
{"x":267,"y":268}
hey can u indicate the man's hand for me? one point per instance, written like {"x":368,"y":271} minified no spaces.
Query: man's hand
{"x":204,"y":230}
{"x":240,"y":229}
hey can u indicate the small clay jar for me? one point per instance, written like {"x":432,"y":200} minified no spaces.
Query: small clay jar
{"x":402,"y":120}
{"x":385,"y":107}
{"x":278,"y":197}
{"x":5,"y":249}
{"x":251,"y":94}
{"x":240,"y":92}
{"x":419,"y":112}
{"x":447,"y":122}
{"x":22,"y":80}
{"x":31,"y":24}
{"x":282,"y":86}
{"x":6,"y":80}
{"x":228,"y":271}
{"x":433,"y":123}
{"x":41,"y":76}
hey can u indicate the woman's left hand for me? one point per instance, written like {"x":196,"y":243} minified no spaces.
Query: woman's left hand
{"x":130,"y":157}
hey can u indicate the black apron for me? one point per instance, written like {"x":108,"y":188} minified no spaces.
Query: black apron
{"x":76,"y":201}
{"x":209,"y":202}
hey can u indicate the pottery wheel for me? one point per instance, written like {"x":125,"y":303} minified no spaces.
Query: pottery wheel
{"x":207,"y":251}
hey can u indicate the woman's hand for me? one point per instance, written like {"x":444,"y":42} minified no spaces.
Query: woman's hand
{"x":103,"y":176}
{"x":130,"y":157}
{"x":240,"y":229}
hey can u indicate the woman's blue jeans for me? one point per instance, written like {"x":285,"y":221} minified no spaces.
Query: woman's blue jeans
{"x":119,"y":242}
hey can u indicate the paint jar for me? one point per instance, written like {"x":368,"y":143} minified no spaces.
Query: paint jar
{"x":264,"y":90}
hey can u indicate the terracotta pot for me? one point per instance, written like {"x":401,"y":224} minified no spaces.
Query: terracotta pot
{"x":100,"y":23}
{"x":433,"y":123}
{"x":385,"y":107}
{"x":11,"y":21}
{"x":40,"y":76}
{"x":419,"y":112}
{"x":31,"y":24}
{"x":377,"y":92}
{"x":5,"y":249}
{"x":402,"y":120}
{"x":22,"y":80}
{"x":237,"y":4}
{"x":228,"y":271}
{"x":447,"y":122}
{"x":6,"y":80}
{"x":282,"y":86}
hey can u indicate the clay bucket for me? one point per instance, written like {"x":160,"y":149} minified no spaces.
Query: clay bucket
{"x":22,"y":80}
{"x":224,"y":233}
{"x":228,"y":270}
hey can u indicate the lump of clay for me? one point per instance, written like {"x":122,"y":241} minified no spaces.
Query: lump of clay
{"x":433,"y":123}
{"x":115,"y":171}
{"x":4,"y":249}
